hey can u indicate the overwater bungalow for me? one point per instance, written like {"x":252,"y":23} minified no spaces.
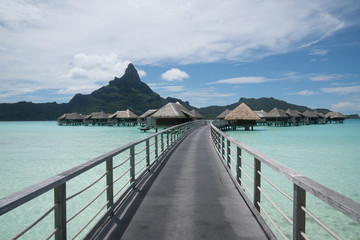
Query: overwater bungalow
{"x":71,"y":119}
{"x":278,"y":117}
{"x":310,"y":117}
{"x":196,"y":114}
{"x":242,"y":116}
{"x":172,"y":114}
{"x":146,"y":119}
{"x":126,"y":117}
{"x":97,"y":118}
{"x":322,"y":118}
{"x":223,"y":114}
{"x":295,"y":117}
{"x":261,"y":115}
{"x":335,"y":117}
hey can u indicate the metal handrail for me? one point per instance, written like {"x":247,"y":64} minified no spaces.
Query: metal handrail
{"x":58,"y":183}
{"x":302,"y":184}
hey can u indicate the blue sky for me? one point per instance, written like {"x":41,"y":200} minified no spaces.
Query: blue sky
{"x":205,"y":52}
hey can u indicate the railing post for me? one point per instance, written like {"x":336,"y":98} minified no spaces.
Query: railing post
{"x":171,"y":136}
{"x":147,"y":153}
{"x":167,"y":138}
{"x":228,"y":153}
{"x":60,"y":211}
{"x":132,"y":163}
{"x":257,"y":183}
{"x":109,"y":182}
{"x":238,"y":165}
{"x":298,"y":213}
{"x":162,"y":142}
{"x":156,"y":146}
{"x":222,"y":147}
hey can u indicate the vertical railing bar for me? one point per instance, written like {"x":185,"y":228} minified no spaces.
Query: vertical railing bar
{"x":132,"y":163}
{"x":223,"y":147}
{"x":109,"y":182}
{"x":156,"y":146}
{"x":257,"y":183}
{"x":298,"y":213}
{"x":60,"y":211}
{"x":162,"y":142}
{"x":147,"y":153}
{"x":228,"y":152}
{"x":238,"y":164}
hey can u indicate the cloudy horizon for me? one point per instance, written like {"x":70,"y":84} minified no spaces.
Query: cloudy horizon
{"x":204,"y":52}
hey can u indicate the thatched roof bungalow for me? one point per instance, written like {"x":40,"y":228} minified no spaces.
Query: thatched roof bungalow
{"x":243,"y":116}
{"x":223,"y":114}
{"x":172,"y":114}
{"x":125,"y":117}
{"x":277,"y":116}
{"x":71,"y":119}
{"x":295,"y":116}
{"x":310,"y":117}
{"x":148,"y":113}
{"x":98,"y":118}
{"x":335,"y":116}
{"x":196,"y":114}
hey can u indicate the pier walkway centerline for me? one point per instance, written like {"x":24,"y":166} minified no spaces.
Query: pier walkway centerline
{"x":192,"y":197}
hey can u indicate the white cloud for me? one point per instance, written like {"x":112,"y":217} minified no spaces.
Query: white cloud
{"x":242,"y":80}
{"x":329,"y":77}
{"x":318,"y":52}
{"x":346,"y":107}
{"x":342,"y":90}
{"x":304,"y":93}
{"x":167,"y":88}
{"x":174,"y":74}
{"x":38,"y":38}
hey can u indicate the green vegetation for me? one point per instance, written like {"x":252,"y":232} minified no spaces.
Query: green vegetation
{"x":127,"y":92}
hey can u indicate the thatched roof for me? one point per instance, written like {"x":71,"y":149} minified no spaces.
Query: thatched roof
{"x":172,"y":110}
{"x":293,"y":113}
{"x":333,"y":115}
{"x":148,"y":113}
{"x":260,"y":113}
{"x":311,"y":114}
{"x":127,"y":114}
{"x":223,"y":114}
{"x":98,"y":115}
{"x":242,"y":112}
{"x":71,"y":116}
{"x":196,"y":114}
{"x":276,"y":113}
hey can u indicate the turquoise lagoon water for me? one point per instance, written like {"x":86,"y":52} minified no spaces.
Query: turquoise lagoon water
{"x":34,"y":151}
{"x":328,"y":154}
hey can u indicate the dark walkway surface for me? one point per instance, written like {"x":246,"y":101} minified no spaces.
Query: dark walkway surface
{"x":191,"y":198}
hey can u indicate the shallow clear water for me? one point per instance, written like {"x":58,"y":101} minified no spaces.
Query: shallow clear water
{"x":328,"y":154}
{"x":34,"y":151}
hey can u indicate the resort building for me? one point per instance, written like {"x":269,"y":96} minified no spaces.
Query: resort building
{"x":335,"y":117}
{"x":223,"y":114}
{"x":295,"y":117}
{"x":124,"y":118}
{"x":71,"y":119}
{"x":172,"y":114}
{"x":97,"y":118}
{"x":278,"y":117}
{"x":310,"y":117}
{"x":242,"y":116}
{"x":196,"y":114}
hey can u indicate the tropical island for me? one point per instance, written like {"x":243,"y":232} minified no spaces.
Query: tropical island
{"x":130,"y":93}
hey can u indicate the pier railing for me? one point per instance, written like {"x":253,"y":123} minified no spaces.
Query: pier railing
{"x":122,"y":169}
{"x":247,"y":166}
